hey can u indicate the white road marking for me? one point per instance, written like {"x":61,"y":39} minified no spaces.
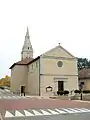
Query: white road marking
{"x":53,"y":112}
{"x":8,"y":114}
{"x":18,"y":97}
{"x":86,"y":109}
{"x":69,"y":111}
{"x":81,"y":110}
{"x":17,"y":113}
{"x":45,"y":112}
{"x":5,"y":97}
{"x":36,"y":112}
{"x":60,"y":111}
{"x":10,"y":97}
{"x":28,"y":113}
{"x":76,"y":111}
{"x":13,"y":96}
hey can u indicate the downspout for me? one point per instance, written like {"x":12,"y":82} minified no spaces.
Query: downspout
{"x":39,"y":76}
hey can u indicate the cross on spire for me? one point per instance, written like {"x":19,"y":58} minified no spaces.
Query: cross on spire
{"x":59,"y":44}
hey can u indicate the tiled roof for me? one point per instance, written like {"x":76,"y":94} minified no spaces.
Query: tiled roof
{"x":22,"y":62}
{"x":25,"y":61}
{"x":84,"y":73}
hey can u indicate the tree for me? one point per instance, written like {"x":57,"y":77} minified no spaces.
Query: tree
{"x":5,"y":81}
{"x":89,"y":64}
{"x":83,"y":63}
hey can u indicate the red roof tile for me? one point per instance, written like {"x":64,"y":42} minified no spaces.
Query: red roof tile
{"x":25,"y":61}
{"x":22,"y":62}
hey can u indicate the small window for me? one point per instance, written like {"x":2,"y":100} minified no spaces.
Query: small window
{"x":82,"y":83}
{"x":32,"y":66}
{"x":36,"y":64}
{"x":28,"y":48}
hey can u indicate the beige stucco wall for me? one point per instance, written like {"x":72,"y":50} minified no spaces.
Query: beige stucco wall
{"x":86,"y":83}
{"x":70,"y":83}
{"x":18,"y":77}
{"x":49,"y":66}
{"x":33,"y":78}
{"x":58,"y":52}
{"x":51,"y":73}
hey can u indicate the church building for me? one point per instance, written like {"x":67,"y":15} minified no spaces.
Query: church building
{"x":44,"y":75}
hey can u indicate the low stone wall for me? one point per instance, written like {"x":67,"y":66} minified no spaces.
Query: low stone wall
{"x":78,"y":97}
{"x":72,"y":97}
{"x":60,"y":97}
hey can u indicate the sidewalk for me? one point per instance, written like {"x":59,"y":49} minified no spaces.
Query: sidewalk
{"x":81,"y":101}
{"x":37,"y":97}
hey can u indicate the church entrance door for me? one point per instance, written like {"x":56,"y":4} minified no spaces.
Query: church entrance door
{"x":22,"y":90}
{"x":60,"y":85}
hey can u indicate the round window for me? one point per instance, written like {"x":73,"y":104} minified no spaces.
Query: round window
{"x":60,"y":63}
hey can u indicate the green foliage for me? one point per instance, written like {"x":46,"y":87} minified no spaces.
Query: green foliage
{"x":86,"y":91}
{"x":65,"y":92}
{"x":5,"y":81}
{"x":60,"y":92}
{"x":83,"y":63}
{"x":77,"y":91}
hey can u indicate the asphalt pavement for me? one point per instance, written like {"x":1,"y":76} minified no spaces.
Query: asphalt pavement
{"x":15,"y":107}
{"x":43,"y":113}
{"x":81,"y":116}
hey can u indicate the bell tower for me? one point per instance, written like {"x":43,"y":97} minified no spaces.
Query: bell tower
{"x":27,"y":50}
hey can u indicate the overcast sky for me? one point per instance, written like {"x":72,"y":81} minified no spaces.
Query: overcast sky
{"x":49,"y":22}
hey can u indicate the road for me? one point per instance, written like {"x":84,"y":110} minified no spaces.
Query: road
{"x":10,"y":104}
{"x":85,"y":116}
{"x":14,"y":107}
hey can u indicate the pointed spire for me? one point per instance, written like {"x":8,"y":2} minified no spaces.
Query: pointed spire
{"x":27,"y":33}
{"x":27,"y":50}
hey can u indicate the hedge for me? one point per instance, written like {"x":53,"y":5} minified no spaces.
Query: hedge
{"x":60,"y":92}
{"x":77,"y":91}
{"x":86,"y":91}
{"x":65,"y":92}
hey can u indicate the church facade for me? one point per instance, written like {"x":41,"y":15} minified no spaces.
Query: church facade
{"x":54,"y":70}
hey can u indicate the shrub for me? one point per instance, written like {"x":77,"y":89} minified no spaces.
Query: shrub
{"x":60,"y":92}
{"x":77,"y":91}
{"x":86,"y":91}
{"x":66,"y":92}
